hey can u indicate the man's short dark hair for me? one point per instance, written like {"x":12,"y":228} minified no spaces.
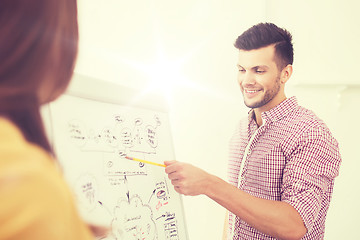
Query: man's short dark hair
{"x":265,"y":34}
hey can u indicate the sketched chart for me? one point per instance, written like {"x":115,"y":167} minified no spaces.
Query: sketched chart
{"x":91,"y":139}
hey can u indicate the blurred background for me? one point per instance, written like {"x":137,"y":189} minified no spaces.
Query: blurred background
{"x":184,"y":50}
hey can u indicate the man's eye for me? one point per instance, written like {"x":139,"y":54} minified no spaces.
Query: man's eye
{"x":241,"y":70}
{"x":259,"y":71}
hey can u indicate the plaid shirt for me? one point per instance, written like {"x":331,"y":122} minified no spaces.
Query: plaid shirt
{"x":292,"y":158}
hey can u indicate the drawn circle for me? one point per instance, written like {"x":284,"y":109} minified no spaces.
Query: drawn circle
{"x":157,"y":119}
{"x":108,"y":137}
{"x":141,"y":164}
{"x":138,"y":121}
{"x":151,"y":136}
{"x":119,"y":118}
{"x":86,"y":191}
{"x":77,"y":132}
{"x":161,"y":194}
{"x":126,"y":138}
{"x":110,"y":164}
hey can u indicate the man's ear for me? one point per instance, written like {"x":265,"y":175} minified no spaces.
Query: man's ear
{"x":286,"y":73}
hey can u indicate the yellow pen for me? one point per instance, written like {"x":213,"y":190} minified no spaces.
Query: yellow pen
{"x":144,"y":161}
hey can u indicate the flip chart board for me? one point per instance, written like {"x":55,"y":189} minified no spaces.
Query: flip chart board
{"x":92,"y":134}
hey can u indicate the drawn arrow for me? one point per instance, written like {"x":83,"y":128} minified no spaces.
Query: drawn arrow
{"x":161,"y":216}
{"x":153,"y":193}
{"x":127,"y":193}
{"x":102,"y":205}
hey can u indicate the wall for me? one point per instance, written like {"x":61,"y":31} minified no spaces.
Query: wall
{"x":326,"y":41}
{"x":184,"y":49}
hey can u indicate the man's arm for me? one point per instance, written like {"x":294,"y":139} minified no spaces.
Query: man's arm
{"x":275,"y":218}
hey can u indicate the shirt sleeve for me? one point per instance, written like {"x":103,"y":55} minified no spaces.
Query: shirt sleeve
{"x":309,"y":174}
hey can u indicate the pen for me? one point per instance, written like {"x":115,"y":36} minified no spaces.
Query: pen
{"x":144,"y":161}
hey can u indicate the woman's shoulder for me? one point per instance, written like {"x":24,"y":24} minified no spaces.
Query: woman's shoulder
{"x":33,"y":190}
{"x":20,"y":157}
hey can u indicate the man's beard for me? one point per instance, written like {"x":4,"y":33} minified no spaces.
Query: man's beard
{"x":269,"y":95}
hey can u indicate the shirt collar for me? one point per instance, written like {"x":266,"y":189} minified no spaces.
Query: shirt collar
{"x":278,"y":112}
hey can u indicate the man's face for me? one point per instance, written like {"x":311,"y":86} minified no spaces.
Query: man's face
{"x":259,"y":78}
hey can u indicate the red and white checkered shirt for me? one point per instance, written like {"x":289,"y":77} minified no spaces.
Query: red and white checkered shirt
{"x":292,"y":158}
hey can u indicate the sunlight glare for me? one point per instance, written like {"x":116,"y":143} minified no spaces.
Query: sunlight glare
{"x":164,"y":75}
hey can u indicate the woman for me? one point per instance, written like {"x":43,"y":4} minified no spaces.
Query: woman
{"x":38,"y":47}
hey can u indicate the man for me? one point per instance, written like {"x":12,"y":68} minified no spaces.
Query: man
{"x":283,"y":159}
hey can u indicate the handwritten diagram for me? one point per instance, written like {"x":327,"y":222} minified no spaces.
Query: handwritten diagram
{"x":91,"y":140}
{"x":118,"y":140}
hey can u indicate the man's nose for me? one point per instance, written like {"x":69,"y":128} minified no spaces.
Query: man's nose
{"x":247,"y":78}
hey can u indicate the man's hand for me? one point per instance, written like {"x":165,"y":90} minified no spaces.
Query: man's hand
{"x":275,"y":218}
{"x":187,"y":179}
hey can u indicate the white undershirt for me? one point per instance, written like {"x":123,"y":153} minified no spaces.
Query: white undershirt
{"x":246,"y":153}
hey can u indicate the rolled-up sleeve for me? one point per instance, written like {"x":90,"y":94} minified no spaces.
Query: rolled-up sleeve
{"x":309,"y":174}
